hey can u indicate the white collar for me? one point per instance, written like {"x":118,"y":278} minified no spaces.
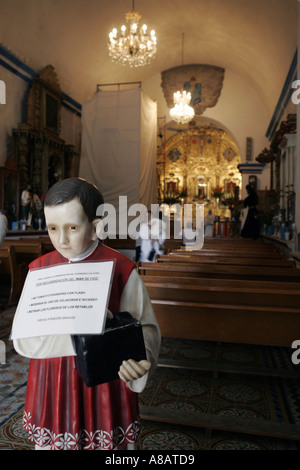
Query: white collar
{"x":86,"y":254}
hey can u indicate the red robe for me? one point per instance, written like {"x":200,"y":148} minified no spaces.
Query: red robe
{"x":60,"y":410}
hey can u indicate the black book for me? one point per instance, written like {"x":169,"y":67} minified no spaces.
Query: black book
{"x":99,"y":357}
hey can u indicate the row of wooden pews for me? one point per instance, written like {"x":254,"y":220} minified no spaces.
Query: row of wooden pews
{"x":233,"y":291}
{"x":15,"y":256}
{"x":242,"y":297}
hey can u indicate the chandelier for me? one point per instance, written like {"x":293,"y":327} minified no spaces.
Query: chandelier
{"x":134,"y":45}
{"x":182,"y":111}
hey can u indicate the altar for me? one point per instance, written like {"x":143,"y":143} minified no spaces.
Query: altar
{"x":199,"y":165}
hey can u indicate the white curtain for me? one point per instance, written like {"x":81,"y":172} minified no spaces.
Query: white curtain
{"x":148,"y":151}
{"x":118,"y":151}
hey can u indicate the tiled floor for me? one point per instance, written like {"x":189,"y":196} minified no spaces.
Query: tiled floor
{"x":194,"y":392}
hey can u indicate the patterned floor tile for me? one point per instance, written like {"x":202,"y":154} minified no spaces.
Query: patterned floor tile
{"x":194,"y":392}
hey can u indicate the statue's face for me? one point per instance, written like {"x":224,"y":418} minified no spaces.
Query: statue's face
{"x":69,"y":229}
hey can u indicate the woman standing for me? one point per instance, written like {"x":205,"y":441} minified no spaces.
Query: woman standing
{"x":251,"y":225}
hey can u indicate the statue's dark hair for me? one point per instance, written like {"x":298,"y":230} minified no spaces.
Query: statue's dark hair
{"x":66,"y":190}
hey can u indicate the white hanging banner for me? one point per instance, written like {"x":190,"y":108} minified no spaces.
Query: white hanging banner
{"x":119,"y":146}
{"x":148,"y":151}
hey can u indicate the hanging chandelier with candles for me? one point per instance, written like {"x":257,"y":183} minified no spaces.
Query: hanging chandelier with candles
{"x":182,"y":111}
{"x":134,"y":45}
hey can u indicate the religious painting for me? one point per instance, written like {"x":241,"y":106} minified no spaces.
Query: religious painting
{"x":204,"y":82}
{"x":229,"y":154}
{"x":171,"y":192}
{"x":202,"y":192}
{"x":195,"y":90}
{"x":174,"y":155}
{"x":230,"y":185}
{"x":171,"y":187}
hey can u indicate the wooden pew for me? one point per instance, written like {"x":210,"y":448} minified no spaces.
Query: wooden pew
{"x":219,"y":291}
{"x":228,"y":252}
{"x":24,"y":245}
{"x":120,"y":243}
{"x":126,"y":244}
{"x":14,"y":271}
{"x":228,"y":323}
{"x":228,"y":308}
{"x":237,"y":259}
{"x":237,"y":244}
{"x":29,"y":240}
{"x":28,"y":249}
{"x":225,"y":290}
{"x":268,"y":315}
{"x":25,"y":251}
{"x":261,"y":248}
{"x":189,"y":280}
{"x":46,"y":246}
{"x":225,"y":282}
{"x":217,"y":271}
{"x":16,"y":255}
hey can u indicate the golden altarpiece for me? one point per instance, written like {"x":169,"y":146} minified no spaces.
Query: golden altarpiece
{"x":199,"y":165}
{"x":39,"y":154}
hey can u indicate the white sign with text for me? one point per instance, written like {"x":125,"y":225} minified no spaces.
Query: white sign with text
{"x":64,"y":299}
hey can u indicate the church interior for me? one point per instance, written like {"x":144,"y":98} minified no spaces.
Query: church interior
{"x":73,"y":105}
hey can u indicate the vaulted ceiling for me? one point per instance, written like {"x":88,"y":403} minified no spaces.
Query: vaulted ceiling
{"x":255,"y":39}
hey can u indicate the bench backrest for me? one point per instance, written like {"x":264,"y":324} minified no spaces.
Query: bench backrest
{"x":234,"y":260}
{"x":220,"y":271}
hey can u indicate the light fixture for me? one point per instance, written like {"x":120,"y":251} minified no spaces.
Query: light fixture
{"x":134,"y":45}
{"x":182,"y":111}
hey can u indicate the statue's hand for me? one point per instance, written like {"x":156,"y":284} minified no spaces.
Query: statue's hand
{"x":132,"y":370}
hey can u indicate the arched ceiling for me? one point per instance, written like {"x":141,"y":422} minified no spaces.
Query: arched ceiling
{"x":256,"y":39}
